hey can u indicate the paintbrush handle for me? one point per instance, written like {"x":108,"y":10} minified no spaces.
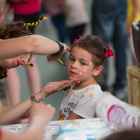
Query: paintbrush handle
{"x":60,"y":61}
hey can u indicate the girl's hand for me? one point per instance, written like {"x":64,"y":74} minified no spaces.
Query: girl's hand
{"x":54,"y":87}
{"x":50,"y":58}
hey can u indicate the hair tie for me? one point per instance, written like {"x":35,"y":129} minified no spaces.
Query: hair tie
{"x":76,"y":39}
{"x":35,"y":23}
{"x":109,"y":52}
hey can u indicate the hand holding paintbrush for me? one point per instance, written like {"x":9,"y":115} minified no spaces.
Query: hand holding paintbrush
{"x":50,"y":58}
{"x":57,"y":56}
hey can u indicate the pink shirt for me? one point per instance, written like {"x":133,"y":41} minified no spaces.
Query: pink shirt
{"x":27,"y":7}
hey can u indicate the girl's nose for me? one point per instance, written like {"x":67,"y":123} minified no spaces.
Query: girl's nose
{"x":74,"y":65}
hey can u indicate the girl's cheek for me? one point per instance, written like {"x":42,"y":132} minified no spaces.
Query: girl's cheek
{"x":83,"y":72}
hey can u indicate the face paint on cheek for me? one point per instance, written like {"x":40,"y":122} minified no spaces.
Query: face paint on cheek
{"x":90,"y":63}
{"x":85,"y":70}
{"x":81,"y":73}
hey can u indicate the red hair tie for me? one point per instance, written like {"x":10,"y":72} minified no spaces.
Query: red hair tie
{"x":76,"y":39}
{"x":109,"y":52}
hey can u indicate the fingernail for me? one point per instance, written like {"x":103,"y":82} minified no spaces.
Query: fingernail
{"x":49,"y":105}
{"x":52,"y":108}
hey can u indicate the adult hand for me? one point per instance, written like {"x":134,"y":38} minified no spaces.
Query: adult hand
{"x":54,"y":87}
{"x":50,"y":58}
{"x":129,"y":31}
{"x":41,"y":114}
{"x":66,"y":48}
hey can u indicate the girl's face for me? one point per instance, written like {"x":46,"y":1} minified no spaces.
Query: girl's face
{"x":15,"y":62}
{"x":80,"y":65}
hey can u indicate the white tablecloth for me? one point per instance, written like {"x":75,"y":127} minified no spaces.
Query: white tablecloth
{"x":67,"y":127}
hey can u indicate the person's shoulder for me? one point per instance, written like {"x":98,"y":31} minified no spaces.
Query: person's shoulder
{"x":93,"y":91}
{"x":94,"y":88}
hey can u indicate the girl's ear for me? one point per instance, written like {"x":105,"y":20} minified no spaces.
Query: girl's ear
{"x":97,"y":70}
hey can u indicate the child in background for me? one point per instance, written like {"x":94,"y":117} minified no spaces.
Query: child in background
{"x":76,"y":18}
{"x":85,"y":62}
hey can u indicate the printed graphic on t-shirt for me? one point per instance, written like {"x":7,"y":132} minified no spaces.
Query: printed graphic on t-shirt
{"x":61,"y":116}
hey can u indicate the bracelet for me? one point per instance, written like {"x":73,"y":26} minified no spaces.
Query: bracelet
{"x":66,"y":88}
{"x":61,"y":49}
{"x":33,"y":99}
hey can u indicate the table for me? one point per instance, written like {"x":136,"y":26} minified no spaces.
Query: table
{"x":74,"y":123}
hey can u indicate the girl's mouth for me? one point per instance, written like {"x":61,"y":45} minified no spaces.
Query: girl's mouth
{"x":72,"y":73}
{"x":18,"y":63}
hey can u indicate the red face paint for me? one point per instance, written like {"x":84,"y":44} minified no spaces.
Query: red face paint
{"x":18,"y":63}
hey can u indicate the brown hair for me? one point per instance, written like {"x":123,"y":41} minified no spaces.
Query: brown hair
{"x":11,"y":30}
{"x":125,"y":135}
{"x":97,"y":48}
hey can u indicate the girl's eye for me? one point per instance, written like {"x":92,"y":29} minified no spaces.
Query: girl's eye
{"x":83,"y":63}
{"x":71,"y":59}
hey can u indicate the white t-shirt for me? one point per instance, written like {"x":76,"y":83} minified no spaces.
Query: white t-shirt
{"x":82,"y":102}
{"x":77,"y":14}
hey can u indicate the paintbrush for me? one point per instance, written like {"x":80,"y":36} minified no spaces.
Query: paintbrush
{"x":29,"y":64}
{"x":61,"y":62}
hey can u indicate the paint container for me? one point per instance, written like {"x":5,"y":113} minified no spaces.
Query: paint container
{"x":84,"y":130}
{"x":118,"y":114}
{"x":51,"y":131}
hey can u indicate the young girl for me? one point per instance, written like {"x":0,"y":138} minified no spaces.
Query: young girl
{"x":85,"y":62}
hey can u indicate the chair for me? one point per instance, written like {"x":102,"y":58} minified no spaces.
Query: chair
{"x":133,"y":78}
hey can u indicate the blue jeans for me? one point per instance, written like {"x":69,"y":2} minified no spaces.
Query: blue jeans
{"x":108,"y":21}
{"x":59,"y":23}
{"x":76,"y":31}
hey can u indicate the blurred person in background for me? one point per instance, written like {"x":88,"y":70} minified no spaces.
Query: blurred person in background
{"x":2,"y":93}
{"x":55,"y":9}
{"x":109,"y":22}
{"x":133,"y":15}
{"x":76,"y":18}
{"x":27,"y":11}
